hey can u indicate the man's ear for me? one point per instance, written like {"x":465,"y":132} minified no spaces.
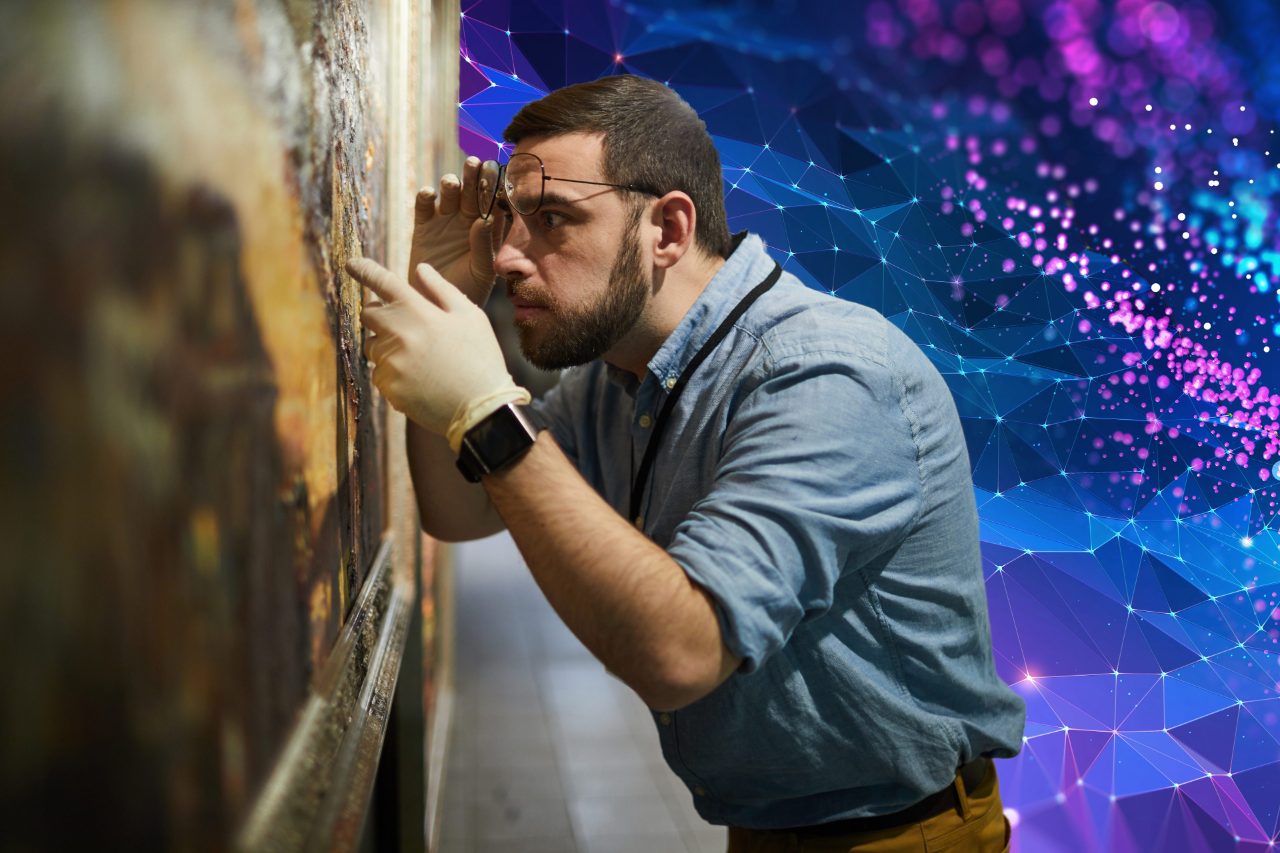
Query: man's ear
{"x":676,"y":219}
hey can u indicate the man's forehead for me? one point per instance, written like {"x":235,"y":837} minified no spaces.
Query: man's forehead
{"x":568,"y":155}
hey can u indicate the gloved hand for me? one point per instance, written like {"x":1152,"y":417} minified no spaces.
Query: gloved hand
{"x":449,"y":234}
{"x":434,"y":353}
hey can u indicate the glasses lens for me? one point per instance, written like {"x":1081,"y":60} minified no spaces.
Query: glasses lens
{"x":524,"y":183}
{"x":487,"y":187}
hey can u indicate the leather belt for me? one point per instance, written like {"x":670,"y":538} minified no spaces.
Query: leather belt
{"x":973,"y":773}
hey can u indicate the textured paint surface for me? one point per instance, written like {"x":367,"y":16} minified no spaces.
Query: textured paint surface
{"x":195,"y":474}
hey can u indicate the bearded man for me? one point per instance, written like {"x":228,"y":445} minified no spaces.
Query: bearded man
{"x":750,"y":500}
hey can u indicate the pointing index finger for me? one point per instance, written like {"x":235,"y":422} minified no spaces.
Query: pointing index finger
{"x":378,"y":279}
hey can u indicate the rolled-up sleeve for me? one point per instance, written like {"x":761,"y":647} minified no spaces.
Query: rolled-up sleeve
{"x":818,"y":476}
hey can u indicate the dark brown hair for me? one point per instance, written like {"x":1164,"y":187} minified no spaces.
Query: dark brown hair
{"x":652,"y":139}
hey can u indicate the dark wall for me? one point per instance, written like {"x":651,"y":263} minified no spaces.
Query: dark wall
{"x":195,"y":473}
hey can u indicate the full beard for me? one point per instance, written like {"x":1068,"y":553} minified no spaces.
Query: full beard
{"x":573,"y":336}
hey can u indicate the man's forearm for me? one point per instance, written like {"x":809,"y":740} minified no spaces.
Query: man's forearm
{"x":450,"y":508}
{"x":619,"y":593}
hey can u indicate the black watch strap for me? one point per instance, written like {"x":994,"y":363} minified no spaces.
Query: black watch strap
{"x":496,"y":442}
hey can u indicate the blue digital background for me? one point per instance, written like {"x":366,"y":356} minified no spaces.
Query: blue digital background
{"x":1071,"y":207}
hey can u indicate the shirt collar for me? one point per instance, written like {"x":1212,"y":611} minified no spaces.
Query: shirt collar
{"x":624,"y":379}
{"x":745,"y":268}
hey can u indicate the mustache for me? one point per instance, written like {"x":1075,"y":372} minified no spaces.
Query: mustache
{"x":516,"y":292}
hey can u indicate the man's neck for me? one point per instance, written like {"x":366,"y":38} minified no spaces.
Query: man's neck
{"x":675,"y":292}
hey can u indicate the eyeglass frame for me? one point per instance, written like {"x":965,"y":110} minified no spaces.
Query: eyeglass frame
{"x":501,"y":189}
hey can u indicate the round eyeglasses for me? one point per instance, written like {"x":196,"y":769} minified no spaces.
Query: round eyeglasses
{"x":521,"y":182}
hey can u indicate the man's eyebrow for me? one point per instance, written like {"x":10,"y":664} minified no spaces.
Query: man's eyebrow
{"x":558,"y":199}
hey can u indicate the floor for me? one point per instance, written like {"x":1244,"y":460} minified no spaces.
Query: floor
{"x":549,"y":753}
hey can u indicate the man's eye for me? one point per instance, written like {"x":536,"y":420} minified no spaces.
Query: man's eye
{"x":550,"y":219}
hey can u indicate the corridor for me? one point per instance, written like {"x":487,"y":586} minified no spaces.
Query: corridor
{"x":549,"y":753}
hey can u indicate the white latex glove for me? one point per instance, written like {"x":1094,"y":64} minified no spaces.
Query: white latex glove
{"x":435,"y":355}
{"x":449,"y":234}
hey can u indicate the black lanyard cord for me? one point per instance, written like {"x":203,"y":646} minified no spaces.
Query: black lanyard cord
{"x":655,"y":439}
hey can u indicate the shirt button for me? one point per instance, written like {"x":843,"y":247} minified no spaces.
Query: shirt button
{"x":664,"y":718}
{"x":646,"y":421}
{"x":700,"y":791}
{"x":670,"y":383}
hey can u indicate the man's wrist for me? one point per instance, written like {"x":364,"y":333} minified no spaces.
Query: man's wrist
{"x":479,"y":291}
{"x":496,"y":442}
{"x":478,"y":294}
{"x":474,"y":412}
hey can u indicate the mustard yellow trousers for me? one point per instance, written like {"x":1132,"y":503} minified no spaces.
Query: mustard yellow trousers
{"x":975,"y":824}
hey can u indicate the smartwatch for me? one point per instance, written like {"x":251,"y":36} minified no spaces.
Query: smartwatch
{"x":496,"y":442}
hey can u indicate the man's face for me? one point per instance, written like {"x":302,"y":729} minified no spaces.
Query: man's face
{"x":575,"y":270}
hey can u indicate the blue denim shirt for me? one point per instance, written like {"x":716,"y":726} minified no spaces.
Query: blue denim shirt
{"x":814,"y":480}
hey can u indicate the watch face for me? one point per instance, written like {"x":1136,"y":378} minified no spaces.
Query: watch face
{"x":499,"y":438}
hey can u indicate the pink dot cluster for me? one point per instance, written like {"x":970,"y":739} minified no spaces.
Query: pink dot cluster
{"x":1046,"y":229}
{"x":1138,"y":75}
{"x":1205,"y":376}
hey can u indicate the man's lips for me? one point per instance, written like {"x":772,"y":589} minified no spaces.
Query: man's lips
{"x":526,"y":313}
{"x":526,"y":309}
{"x":526,"y":306}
